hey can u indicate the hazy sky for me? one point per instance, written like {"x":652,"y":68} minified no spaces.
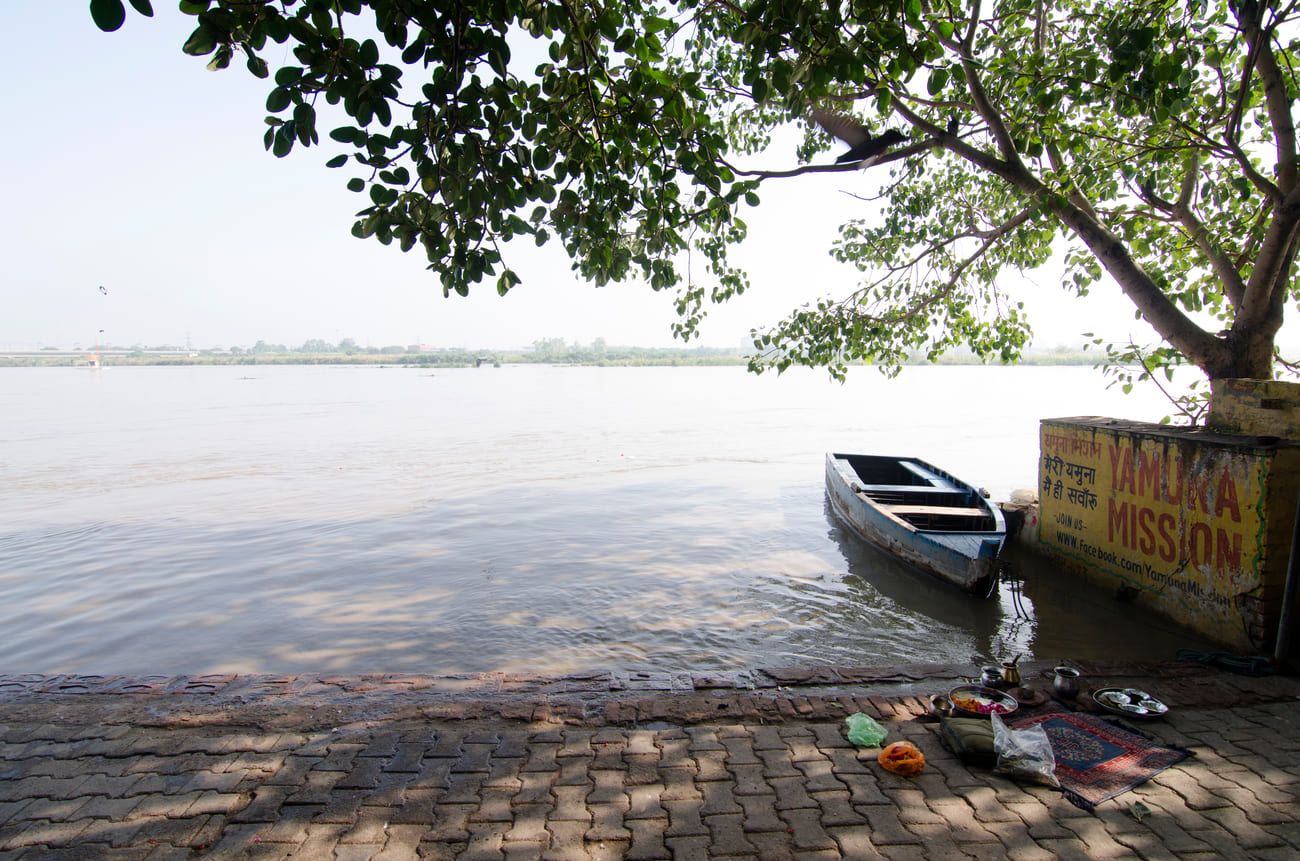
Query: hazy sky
{"x":131,"y":166}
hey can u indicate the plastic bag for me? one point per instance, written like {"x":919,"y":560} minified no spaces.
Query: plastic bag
{"x":864,"y":731}
{"x":902,"y":757}
{"x":1024,"y":754}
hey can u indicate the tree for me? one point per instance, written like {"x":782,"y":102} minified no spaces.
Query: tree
{"x":550,"y":348}
{"x":1152,"y":142}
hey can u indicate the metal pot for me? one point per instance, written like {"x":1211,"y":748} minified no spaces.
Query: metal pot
{"x":1010,"y":674}
{"x":1066,"y":682}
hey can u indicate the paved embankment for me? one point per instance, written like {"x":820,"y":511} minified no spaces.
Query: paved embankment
{"x":639,"y":766}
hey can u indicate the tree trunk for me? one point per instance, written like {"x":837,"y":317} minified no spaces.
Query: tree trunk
{"x":1250,"y":357}
{"x":1250,"y":350}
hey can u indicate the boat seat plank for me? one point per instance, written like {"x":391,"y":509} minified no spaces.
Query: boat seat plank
{"x":942,"y":510}
{"x":911,"y":488}
{"x":921,"y":472}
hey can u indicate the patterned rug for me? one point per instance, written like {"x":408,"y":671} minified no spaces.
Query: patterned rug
{"x":1097,"y":760}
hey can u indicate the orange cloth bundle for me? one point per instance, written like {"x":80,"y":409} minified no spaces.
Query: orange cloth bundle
{"x":902,"y":757}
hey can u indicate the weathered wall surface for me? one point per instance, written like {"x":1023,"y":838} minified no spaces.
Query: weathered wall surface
{"x":1194,"y":524}
{"x":1259,"y":407}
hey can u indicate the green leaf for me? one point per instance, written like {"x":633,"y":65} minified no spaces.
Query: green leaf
{"x":199,"y":43}
{"x":369,"y":53}
{"x":278,"y":100}
{"x":505,"y":281}
{"x":221,"y":59}
{"x":282,"y":144}
{"x":356,"y":184}
{"x":107,"y":14}
{"x":337,"y":161}
{"x":143,"y":7}
{"x":938,"y":80}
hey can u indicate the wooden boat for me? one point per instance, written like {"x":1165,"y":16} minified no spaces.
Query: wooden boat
{"x":920,"y":514}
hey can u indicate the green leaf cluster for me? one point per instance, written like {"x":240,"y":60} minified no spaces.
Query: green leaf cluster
{"x":1150,"y":142}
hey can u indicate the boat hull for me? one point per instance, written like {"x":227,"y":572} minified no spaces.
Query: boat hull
{"x":920,"y":514}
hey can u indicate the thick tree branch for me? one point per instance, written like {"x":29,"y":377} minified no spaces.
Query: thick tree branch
{"x":1278,"y":104}
{"x":1259,"y":59}
{"x":1164,"y":316}
{"x":1260,"y":304}
{"x":1272,"y":264}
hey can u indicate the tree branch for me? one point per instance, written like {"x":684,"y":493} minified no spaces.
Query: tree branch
{"x":968,"y":42}
{"x":1278,"y":104}
{"x":884,"y":158}
{"x":1271,"y":264}
{"x":979,"y":96}
{"x":1076,"y":196}
{"x":1195,"y":229}
{"x":954,"y":144}
{"x":991,"y":239}
{"x":1259,"y":59}
{"x":1165,"y":317}
{"x":1276,"y":251}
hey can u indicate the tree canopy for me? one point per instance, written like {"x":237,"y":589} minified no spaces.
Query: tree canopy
{"x":1151,"y":141}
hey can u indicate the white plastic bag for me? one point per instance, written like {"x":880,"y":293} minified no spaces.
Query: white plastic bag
{"x":1024,"y":754}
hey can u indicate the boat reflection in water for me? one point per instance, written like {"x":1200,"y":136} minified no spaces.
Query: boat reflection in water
{"x":1039,"y":610}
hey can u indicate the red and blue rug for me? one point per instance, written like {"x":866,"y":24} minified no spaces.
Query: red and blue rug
{"x":1097,"y":760}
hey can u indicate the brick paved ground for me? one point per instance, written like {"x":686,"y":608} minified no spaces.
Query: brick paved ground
{"x":172,"y":777}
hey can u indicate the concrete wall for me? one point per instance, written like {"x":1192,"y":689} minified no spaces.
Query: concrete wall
{"x":1194,"y":524}
{"x":1256,"y":407}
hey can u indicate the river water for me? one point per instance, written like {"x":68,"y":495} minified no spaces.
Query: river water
{"x":525,"y":519}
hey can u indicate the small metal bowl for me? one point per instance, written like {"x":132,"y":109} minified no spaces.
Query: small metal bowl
{"x":939,"y":706}
{"x":1153,"y":705}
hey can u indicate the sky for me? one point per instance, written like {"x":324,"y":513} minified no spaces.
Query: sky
{"x":130,"y":166}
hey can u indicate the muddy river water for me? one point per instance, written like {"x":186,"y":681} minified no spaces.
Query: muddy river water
{"x":527,"y":519}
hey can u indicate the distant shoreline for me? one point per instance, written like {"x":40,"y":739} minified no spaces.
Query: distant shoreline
{"x":636,"y":357}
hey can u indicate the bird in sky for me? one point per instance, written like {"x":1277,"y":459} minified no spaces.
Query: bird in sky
{"x":103,"y":289}
{"x":862,"y":145}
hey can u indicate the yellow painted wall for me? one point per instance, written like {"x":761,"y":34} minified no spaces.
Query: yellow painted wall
{"x":1179,"y":518}
{"x":1269,"y":407}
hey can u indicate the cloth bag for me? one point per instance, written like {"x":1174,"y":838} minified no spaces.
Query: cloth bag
{"x":971,"y":739}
